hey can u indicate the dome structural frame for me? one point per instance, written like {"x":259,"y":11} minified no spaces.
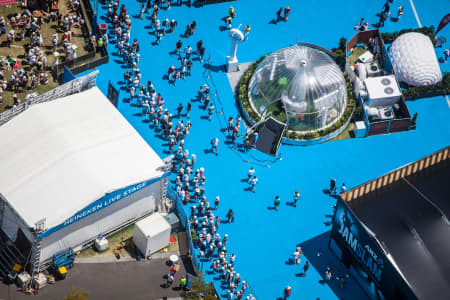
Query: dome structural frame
{"x":306,"y":82}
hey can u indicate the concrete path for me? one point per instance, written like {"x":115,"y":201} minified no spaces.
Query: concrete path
{"x":128,"y":280}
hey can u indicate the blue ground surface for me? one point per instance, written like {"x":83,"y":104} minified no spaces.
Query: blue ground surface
{"x":262,"y":238}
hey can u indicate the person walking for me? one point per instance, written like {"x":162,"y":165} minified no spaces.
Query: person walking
{"x":169,"y":279}
{"x":230,"y":216}
{"x":250,"y":174}
{"x":305,"y":268}
{"x":296,"y":197}
{"x":254,"y":183}
{"x":215,"y":145}
{"x":210,"y":111}
{"x":276,"y":202}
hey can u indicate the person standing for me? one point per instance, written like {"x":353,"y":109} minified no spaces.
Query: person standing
{"x":279,"y":12}
{"x":216,"y":203}
{"x":210,"y":111}
{"x":287,"y":292}
{"x":305,"y":268}
{"x":169,"y":279}
{"x":399,"y":12}
{"x":333,"y":187}
{"x":178,"y":47}
{"x":142,"y":11}
{"x":188,"y":109}
{"x":343,"y":188}
{"x":446,"y":55}
{"x":215,"y":145}
{"x":179,"y":109}
{"x":386,"y":8}
{"x":383,"y":18}
{"x":296,"y":197}
{"x":276,"y":202}
{"x":287,"y":10}
{"x":183,"y":282}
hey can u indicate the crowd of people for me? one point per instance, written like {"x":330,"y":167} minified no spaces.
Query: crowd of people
{"x":383,"y":15}
{"x":189,"y":182}
{"x":29,"y":25}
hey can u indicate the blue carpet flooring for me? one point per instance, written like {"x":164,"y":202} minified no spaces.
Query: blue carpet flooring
{"x":263,"y":239}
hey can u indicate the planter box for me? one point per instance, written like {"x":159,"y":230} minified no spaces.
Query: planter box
{"x":429,"y":94}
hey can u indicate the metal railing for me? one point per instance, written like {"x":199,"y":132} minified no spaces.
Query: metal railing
{"x":171,"y":193}
{"x":396,"y":175}
{"x":72,"y":87}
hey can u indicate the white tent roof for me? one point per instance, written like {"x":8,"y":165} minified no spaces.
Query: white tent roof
{"x":57,"y":157}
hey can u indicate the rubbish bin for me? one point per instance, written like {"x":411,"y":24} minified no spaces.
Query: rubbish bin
{"x":102,"y":28}
{"x":62,"y":272}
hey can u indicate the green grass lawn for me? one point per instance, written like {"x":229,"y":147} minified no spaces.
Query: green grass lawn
{"x":16,"y":50}
{"x":347,"y":133}
{"x":353,"y":57}
{"x":125,"y":234}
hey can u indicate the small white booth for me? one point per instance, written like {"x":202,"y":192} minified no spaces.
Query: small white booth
{"x":151,"y":234}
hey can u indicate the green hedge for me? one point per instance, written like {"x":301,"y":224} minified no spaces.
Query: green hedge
{"x":412,"y":92}
{"x":389,"y":37}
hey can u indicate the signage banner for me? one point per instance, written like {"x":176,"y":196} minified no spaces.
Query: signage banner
{"x":348,"y":229}
{"x":113,"y":94}
{"x":100,"y":204}
{"x":4,"y":2}
{"x":445,"y":20}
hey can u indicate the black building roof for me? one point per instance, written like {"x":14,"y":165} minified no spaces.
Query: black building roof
{"x":410,"y":218}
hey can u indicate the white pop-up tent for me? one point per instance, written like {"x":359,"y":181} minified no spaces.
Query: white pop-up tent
{"x":151,"y":234}
{"x":72,"y":169}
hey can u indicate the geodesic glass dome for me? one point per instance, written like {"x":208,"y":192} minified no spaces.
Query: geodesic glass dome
{"x":414,"y":60}
{"x":305,"y":82}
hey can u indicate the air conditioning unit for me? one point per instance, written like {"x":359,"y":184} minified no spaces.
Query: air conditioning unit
{"x":386,"y":113}
{"x":373,"y":69}
{"x":382,"y":91}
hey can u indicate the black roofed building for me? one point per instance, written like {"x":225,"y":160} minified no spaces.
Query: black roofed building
{"x":393,"y":232}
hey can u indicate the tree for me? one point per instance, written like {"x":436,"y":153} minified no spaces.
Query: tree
{"x":200,"y":289}
{"x":76,"y":295}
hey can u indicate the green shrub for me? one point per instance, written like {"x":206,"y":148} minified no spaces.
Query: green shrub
{"x":414,"y":120}
{"x":389,"y":37}
{"x":412,"y":92}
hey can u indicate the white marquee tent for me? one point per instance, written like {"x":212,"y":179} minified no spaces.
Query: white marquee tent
{"x":78,"y":168}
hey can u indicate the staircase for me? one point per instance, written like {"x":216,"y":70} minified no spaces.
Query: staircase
{"x":166,"y":203}
{"x":9,"y":256}
{"x":36,"y":256}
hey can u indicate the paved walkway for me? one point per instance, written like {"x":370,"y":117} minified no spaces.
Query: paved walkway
{"x":113,"y":281}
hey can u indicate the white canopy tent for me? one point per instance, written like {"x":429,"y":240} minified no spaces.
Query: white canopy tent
{"x":58,"y":158}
